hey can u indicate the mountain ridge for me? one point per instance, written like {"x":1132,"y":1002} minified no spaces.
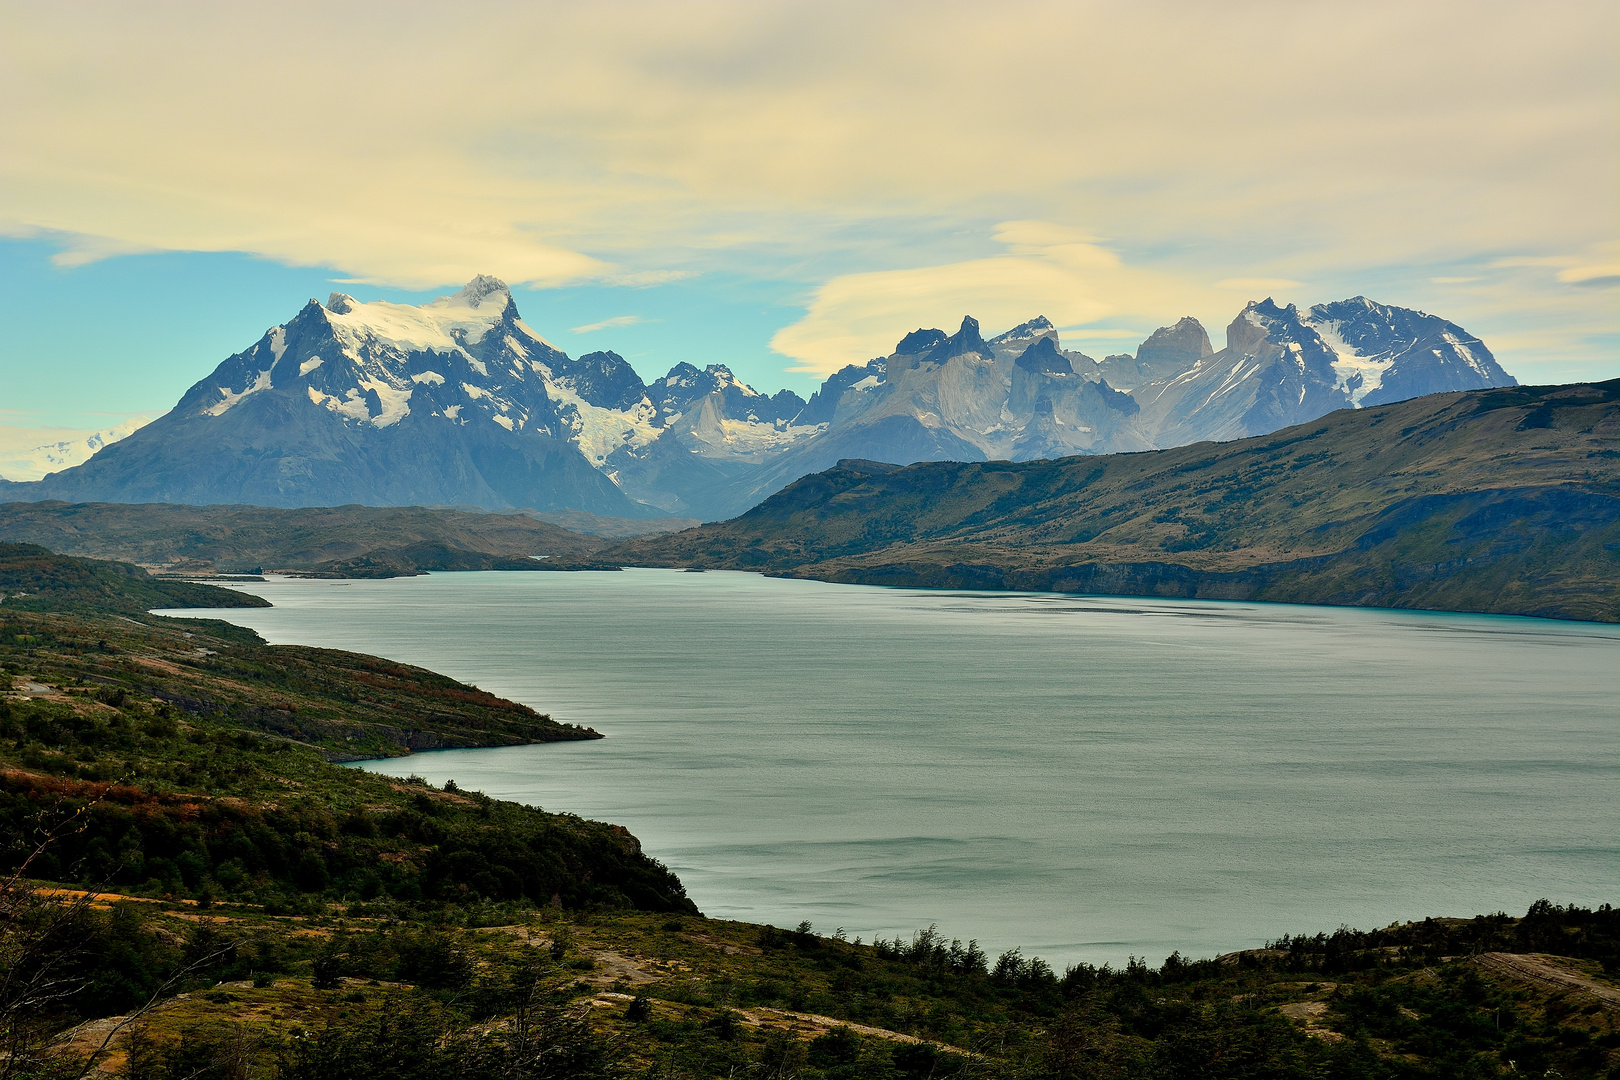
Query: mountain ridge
{"x":458,"y":401}
{"x":1504,"y":501}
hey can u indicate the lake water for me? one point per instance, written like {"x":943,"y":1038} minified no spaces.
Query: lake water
{"x":1088,"y":778}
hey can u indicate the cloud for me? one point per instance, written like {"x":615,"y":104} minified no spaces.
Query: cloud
{"x":1591,"y":275}
{"x":629,"y":143}
{"x":617,"y":320}
{"x":1453,"y":280}
{"x":1258,"y":284}
{"x":552,"y":143}
{"x":1514,"y":262}
{"x":1046,"y":271}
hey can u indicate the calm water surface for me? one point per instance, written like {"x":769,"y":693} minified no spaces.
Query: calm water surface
{"x":1087,"y":778}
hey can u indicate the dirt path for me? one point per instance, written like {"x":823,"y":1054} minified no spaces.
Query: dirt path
{"x":1547,"y":970}
{"x":810,"y":1025}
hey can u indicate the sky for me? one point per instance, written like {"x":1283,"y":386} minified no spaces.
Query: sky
{"x":786,"y":187}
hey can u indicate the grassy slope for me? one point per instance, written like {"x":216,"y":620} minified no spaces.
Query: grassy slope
{"x":1501,"y":501}
{"x":211,"y":752}
{"x":357,"y":540}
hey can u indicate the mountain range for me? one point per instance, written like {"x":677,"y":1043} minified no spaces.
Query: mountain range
{"x":458,"y":402}
{"x":1504,"y":501}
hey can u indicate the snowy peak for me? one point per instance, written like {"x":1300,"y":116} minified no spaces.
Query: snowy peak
{"x":482,"y":288}
{"x":445,"y":325}
{"x":1022,"y":336}
{"x":1385,"y":353}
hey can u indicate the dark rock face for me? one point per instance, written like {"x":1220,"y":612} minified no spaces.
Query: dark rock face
{"x":605,"y":379}
{"x":685,"y":386}
{"x":354,"y":404}
{"x":918,"y":342}
{"x":1043,"y":357}
{"x":966,"y":340}
{"x":1282,"y":366}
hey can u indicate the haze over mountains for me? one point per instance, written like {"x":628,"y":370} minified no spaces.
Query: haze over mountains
{"x":459,"y":402}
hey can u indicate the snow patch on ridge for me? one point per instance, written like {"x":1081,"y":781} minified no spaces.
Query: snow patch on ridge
{"x":395,"y":401}
{"x":231,"y":397}
{"x":1356,"y":375}
{"x":599,"y":431}
{"x":443,"y":325}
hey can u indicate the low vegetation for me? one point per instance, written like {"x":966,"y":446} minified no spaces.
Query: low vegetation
{"x":189,"y":892}
{"x":338,"y":541}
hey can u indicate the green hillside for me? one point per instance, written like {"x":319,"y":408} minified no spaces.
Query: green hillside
{"x":1503,"y":501}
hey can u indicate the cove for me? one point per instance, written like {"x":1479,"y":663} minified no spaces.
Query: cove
{"x":1087,"y":778}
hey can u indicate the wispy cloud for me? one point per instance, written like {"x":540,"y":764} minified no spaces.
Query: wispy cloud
{"x":617,"y":320}
{"x":646,"y":145}
{"x":1258,"y":284}
{"x":1453,"y":280}
{"x":1591,"y":275}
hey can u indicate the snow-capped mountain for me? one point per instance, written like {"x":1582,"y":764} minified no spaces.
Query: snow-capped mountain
{"x":1282,"y":366}
{"x":453,"y":402}
{"x":459,"y":402}
{"x":32,"y":460}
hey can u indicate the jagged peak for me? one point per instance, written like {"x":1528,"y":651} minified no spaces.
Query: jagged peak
{"x":481,"y":288}
{"x":1043,"y":357}
{"x":965,"y":340}
{"x":340,"y":303}
{"x":1035,"y":327}
{"x":919,"y":340}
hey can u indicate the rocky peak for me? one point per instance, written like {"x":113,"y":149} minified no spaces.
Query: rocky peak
{"x":339,"y":303}
{"x":1043,"y":357}
{"x":965,"y":340}
{"x":918,"y":341}
{"x":1183,"y":344}
{"x":1024,"y":333}
{"x":481,"y":288}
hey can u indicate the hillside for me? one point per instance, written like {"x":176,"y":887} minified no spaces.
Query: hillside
{"x":1503,"y":501}
{"x":209,"y":756}
{"x":354,"y":541}
{"x":84,"y":623}
{"x":33,"y":578}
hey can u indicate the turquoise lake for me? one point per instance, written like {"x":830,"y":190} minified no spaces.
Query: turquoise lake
{"x":1087,"y":778}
